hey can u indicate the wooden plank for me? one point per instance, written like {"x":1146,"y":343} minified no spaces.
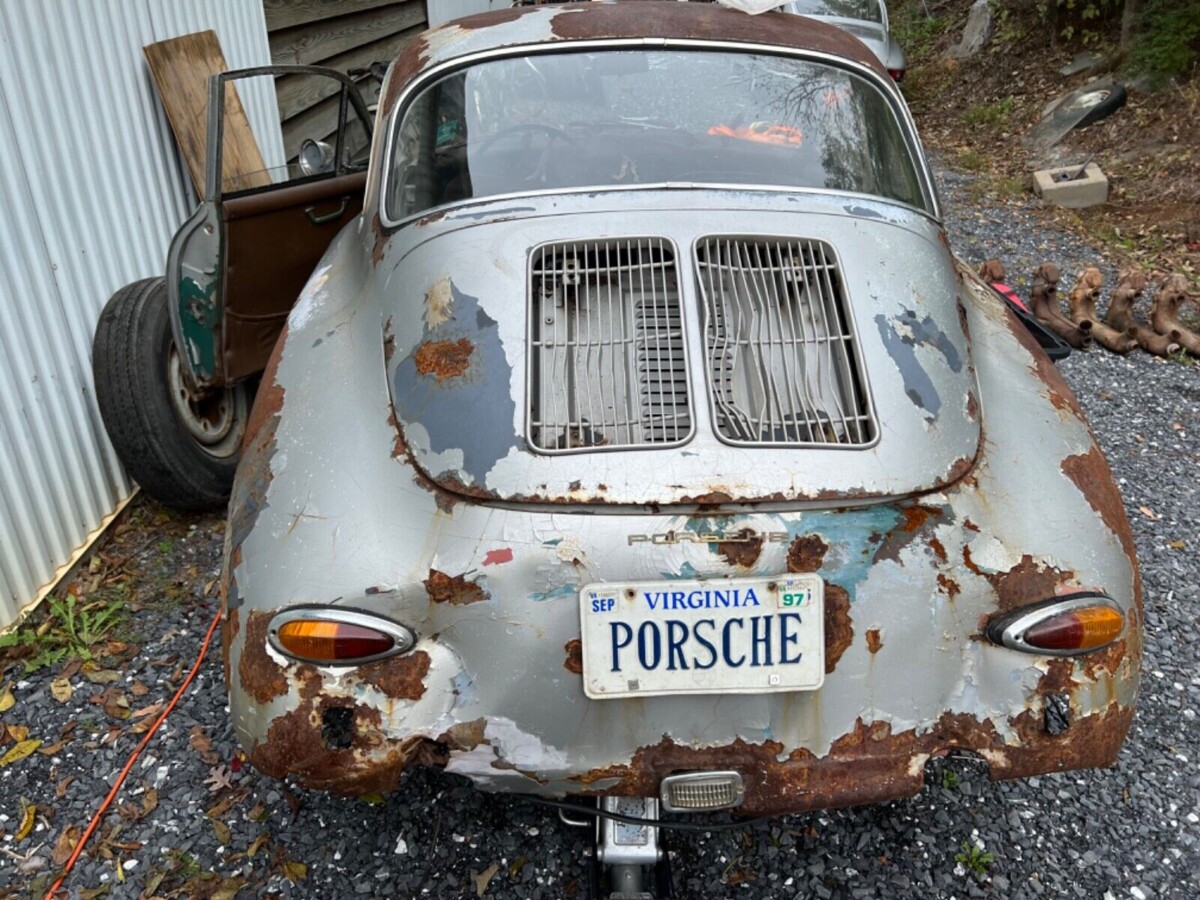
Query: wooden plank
{"x":181,"y":68}
{"x":297,"y":93}
{"x":312,"y":44}
{"x":289,"y":13}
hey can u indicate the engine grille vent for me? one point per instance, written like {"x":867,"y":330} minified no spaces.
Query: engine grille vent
{"x":783,"y":361}
{"x":608,"y":366}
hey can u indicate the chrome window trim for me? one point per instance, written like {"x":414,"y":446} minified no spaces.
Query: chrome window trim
{"x":888,"y":89}
{"x":680,"y":275}
{"x":404,"y":636}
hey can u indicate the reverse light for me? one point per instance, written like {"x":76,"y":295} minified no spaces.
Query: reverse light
{"x":1063,"y":626}
{"x":337,"y":637}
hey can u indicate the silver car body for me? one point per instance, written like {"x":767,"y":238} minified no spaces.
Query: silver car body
{"x":389,"y":469}
{"x":871,"y":26}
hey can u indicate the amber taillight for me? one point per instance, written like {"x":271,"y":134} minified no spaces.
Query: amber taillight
{"x":337,"y":637}
{"x":1060,"y":626}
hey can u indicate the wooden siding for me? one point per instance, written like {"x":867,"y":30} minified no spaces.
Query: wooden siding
{"x":340,"y":34}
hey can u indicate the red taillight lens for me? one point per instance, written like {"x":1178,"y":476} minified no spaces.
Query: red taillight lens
{"x":897,"y":75}
{"x":1067,"y":625}
{"x":318,"y":640}
{"x":1081,"y":629}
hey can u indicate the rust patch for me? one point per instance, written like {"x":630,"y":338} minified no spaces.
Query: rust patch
{"x":382,"y":239}
{"x":444,"y":359}
{"x":268,"y":401}
{"x":806,"y":553}
{"x":1027,"y":582}
{"x":456,"y":591}
{"x":399,"y":677}
{"x":970,"y":563}
{"x":229,"y":630}
{"x":574,"y":660}
{"x":963,"y":322}
{"x":938,"y":548}
{"x":389,"y":341}
{"x":915,"y":520}
{"x":972,"y":406}
{"x":261,"y":677}
{"x":465,"y":735}
{"x":948,"y":585}
{"x":295,"y":745}
{"x":839,"y":630}
{"x":744,"y":552}
{"x":412,"y":59}
{"x":970,"y":526}
{"x":1107,"y":660}
{"x":869,"y":763}
{"x":1089,"y":472}
{"x":874,"y":640}
{"x":687,"y":20}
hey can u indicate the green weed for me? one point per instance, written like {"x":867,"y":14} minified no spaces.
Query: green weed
{"x":974,"y":858}
{"x":71,"y":629}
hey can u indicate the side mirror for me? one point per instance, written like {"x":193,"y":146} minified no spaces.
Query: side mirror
{"x":315,"y":157}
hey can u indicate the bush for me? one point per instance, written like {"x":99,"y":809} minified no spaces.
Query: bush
{"x":1165,"y":45}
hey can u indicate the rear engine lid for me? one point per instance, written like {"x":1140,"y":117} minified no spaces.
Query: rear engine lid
{"x":787,"y":358}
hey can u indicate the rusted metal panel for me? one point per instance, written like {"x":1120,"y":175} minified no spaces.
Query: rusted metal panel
{"x":919,"y":578}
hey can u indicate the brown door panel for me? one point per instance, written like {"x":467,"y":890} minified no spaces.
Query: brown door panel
{"x":273,"y":241}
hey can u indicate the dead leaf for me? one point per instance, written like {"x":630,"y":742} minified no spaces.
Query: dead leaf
{"x":65,"y":845}
{"x":115,"y":704}
{"x":60,"y":789}
{"x":221,"y":830}
{"x":482,"y":879}
{"x":101,"y":676}
{"x":260,"y":843}
{"x":93,"y":893}
{"x":1149,"y":513}
{"x":60,"y":690}
{"x":18,"y":752}
{"x":28,"y":818}
{"x":149,"y":801}
{"x":258,"y":813}
{"x":1177,"y":545}
{"x":52,"y":748}
{"x":17,"y":733}
{"x":71,"y":669}
{"x":229,"y":889}
{"x":218,"y":778}
{"x":138,"y":689}
{"x":129,"y":812}
{"x":224,"y":804}
{"x":7,"y":700}
{"x":151,"y":710}
{"x":295,"y":871}
{"x":199,"y":740}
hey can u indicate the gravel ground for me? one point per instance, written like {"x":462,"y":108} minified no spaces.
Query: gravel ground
{"x":1133,"y":831}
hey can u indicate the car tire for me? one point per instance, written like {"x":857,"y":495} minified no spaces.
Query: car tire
{"x":183,"y":452}
{"x":1101,"y":102}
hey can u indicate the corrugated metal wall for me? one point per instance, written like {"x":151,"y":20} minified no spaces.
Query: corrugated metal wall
{"x":91,"y":191}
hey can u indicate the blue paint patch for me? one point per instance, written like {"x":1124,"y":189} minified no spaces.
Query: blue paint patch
{"x":686,"y":571}
{"x":902,"y":349}
{"x":552,"y":543}
{"x":850,"y":556}
{"x":464,"y":687}
{"x":863,"y":212}
{"x":473,"y":412}
{"x":566,"y":590}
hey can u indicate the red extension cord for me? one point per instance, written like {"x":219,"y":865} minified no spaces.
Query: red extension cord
{"x":95,"y":822}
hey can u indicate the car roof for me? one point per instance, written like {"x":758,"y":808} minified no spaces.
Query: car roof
{"x":622,"y":19}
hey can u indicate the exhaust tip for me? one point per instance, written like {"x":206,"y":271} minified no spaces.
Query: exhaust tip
{"x":702,"y":791}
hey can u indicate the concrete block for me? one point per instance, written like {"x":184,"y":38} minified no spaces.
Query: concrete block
{"x":1089,"y":189}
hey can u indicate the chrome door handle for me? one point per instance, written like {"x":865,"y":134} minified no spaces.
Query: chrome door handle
{"x":328,"y":217}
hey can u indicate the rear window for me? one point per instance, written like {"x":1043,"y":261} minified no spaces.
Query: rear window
{"x":625,"y":118}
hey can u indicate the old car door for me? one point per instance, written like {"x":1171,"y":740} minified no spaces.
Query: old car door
{"x":237,"y":265}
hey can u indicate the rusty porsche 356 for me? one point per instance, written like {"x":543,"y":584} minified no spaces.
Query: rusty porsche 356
{"x":643,"y":440}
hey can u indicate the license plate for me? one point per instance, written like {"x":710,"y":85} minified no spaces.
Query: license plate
{"x":736,"y":636}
